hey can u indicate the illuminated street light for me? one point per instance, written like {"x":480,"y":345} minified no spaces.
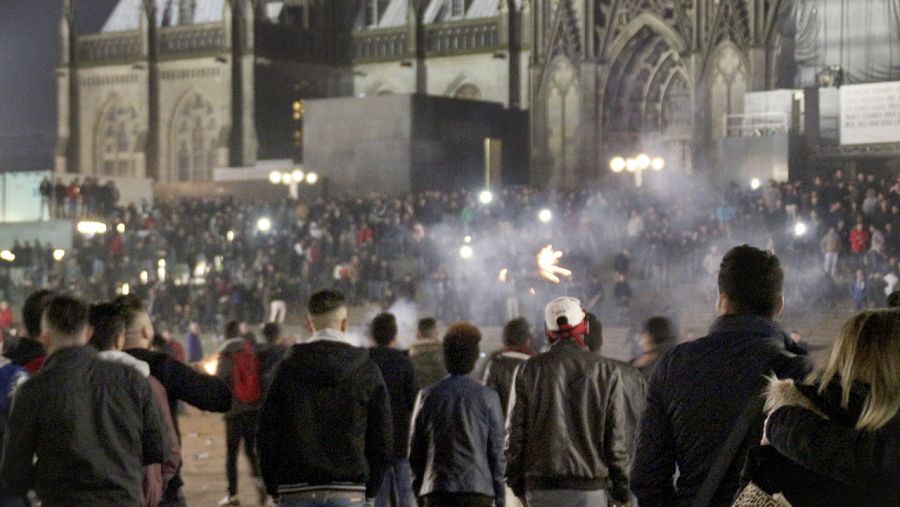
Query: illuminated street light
{"x":643,"y":161}
{"x":486,"y":197}
{"x":466,"y":252}
{"x":657,"y":164}
{"x":126,"y":289}
{"x":275,"y":177}
{"x":297,"y":176}
{"x":631,"y":165}
{"x":263,"y":224}
{"x":754,"y":183}
{"x":545,"y":215}
{"x":467,"y":239}
{"x":7,"y":256}
{"x":120,"y":228}
{"x":58,"y":254}
{"x":312,"y":178}
{"x":229,"y":236}
{"x":145,"y":277}
{"x":286,"y":178}
{"x":800,"y":229}
{"x":617,"y":164}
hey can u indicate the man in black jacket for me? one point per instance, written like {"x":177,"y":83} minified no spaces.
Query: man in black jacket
{"x":180,"y":380}
{"x":400,"y":378}
{"x":91,"y":424}
{"x":325,"y":427}
{"x":699,"y":389}
{"x":566,"y":442}
{"x":501,"y":365}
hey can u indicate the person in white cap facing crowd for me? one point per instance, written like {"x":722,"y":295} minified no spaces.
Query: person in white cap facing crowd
{"x":566,"y":436}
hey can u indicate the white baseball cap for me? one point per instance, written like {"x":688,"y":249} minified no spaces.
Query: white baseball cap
{"x":567,"y":307}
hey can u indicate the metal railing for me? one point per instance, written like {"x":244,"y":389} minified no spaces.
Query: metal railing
{"x":757,"y":124}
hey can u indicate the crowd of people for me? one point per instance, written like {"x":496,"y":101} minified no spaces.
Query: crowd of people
{"x":77,"y":199}
{"x":213,"y":260}
{"x":90,"y":408}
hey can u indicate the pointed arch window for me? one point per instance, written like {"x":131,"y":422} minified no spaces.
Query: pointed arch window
{"x":194,"y":143}
{"x":117,"y":135}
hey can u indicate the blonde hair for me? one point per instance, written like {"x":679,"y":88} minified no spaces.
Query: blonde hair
{"x":868,"y":350}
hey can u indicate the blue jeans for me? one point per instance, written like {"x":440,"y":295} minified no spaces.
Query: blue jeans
{"x":396,"y":486}
{"x":323,"y":498}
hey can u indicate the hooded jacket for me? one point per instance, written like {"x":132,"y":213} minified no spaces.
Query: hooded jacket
{"x":696,"y":393}
{"x":817,"y":457}
{"x":326,"y":420}
{"x":156,"y":475}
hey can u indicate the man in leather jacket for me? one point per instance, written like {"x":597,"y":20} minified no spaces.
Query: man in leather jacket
{"x":566,"y":435}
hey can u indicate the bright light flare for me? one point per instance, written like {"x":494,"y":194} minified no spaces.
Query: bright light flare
{"x":657,"y":164}
{"x":631,"y":165}
{"x":229,"y":236}
{"x":145,"y":277}
{"x":548,"y":264}
{"x":58,"y":254}
{"x":503,"y":276}
{"x":617,"y":164}
{"x":486,"y":197}
{"x":643,"y":161}
{"x":466,"y":252}
{"x":754,"y":183}
{"x":91,"y":228}
{"x":312,"y":178}
{"x":800,"y":229}
{"x":126,"y":289}
{"x":286,"y":178}
{"x":545,"y":215}
{"x":297,"y":176}
{"x":275,"y":177}
{"x":264,"y":224}
{"x":120,"y":228}
{"x":467,"y":239}
{"x":7,"y":255}
{"x":211,"y":365}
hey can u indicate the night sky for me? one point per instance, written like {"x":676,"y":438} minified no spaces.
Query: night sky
{"x":29,"y":50}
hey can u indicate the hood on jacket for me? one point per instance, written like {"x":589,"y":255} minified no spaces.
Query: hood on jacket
{"x":117,"y":356}
{"x":784,"y":393}
{"x":326,"y":362}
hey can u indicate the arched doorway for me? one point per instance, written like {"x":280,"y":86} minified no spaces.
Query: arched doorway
{"x":648,"y":96}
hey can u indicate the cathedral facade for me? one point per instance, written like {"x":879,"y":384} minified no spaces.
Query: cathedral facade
{"x":171,"y":89}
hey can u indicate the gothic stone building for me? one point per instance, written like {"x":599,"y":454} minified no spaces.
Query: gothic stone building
{"x":170,"y":89}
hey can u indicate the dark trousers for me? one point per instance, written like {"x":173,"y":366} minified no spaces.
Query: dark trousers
{"x":240,"y":427}
{"x":458,"y":500}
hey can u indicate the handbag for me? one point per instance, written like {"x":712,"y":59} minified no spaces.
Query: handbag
{"x":753,"y":496}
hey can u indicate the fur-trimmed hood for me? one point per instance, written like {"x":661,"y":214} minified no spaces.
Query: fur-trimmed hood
{"x":784,"y":392}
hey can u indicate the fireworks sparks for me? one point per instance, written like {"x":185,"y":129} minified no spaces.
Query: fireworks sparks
{"x":548,"y":264}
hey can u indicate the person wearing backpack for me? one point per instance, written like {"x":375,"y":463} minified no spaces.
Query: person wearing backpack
{"x":239,"y":367}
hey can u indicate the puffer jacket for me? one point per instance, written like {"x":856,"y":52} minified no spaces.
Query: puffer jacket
{"x":427,"y":357}
{"x":817,"y":457}
{"x":567,"y":424}
{"x":456,"y":445}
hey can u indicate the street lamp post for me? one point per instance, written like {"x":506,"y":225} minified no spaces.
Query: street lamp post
{"x":637,"y":165}
{"x":293,"y":179}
